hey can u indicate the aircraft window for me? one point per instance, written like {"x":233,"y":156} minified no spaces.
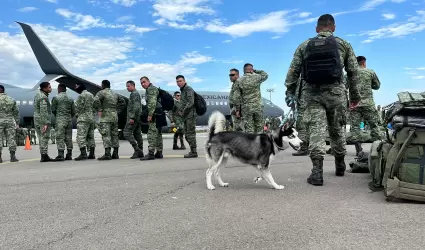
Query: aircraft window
{"x":216,"y":103}
{"x":208,"y":103}
{"x":221,"y":103}
{"x":30,"y":102}
{"x":24,"y":102}
{"x":225,"y":103}
{"x":18,"y":103}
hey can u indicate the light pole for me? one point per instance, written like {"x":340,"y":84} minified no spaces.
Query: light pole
{"x":270,"y":91}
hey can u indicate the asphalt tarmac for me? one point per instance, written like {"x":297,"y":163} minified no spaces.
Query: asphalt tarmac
{"x":164,"y":204}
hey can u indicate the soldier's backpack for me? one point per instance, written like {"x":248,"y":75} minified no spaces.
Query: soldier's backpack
{"x":200,"y":105}
{"x":360,"y":164}
{"x":322,"y":62}
{"x":166,"y":100}
{"x":377,"y":160}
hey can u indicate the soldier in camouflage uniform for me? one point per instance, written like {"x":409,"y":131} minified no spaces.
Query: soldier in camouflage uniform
{"x":366,"y":111}
{"x":188,"y":113}
{"x":33,"y":136}
{"x":300,"y":125}
{"x":133,"y":129}
{"x":325,"y":101}
{"x":53,"y":134}
{"x":177,"y":122}
{"x":107,"y":103}
{"x":154,"y":110}
{"x":9,"y":119}
{"x":235,"y":100}
{"x":85,"y":113}
{"x":42,"y":119}
{"x":63,"y":108}
{"x":25,"y":133}
{"x":252,"y":105}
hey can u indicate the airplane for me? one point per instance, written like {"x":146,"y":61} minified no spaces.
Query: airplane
{"x":55,"y":72}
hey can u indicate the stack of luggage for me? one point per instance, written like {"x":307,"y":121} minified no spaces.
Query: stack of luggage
{"x":397,"y":164}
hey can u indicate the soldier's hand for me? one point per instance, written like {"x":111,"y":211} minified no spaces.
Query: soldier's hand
{"x":99,"y":113}
{"x":238,"y":114}
{"x":149,"y":118}
{"x":131,"y":122}
{"x":354,"y":105}
{"x":44,"y":129}
{"x":172,"y":124}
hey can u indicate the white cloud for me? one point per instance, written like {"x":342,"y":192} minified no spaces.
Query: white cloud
{"x":418,"y":77}
{"x":52,"y":1}
{"x":207,"y":47}
{"x":304,"y":14}
{"x":175,"y":10}
{"x":126,"y":3}
{"x":388,"y":16}
{"x":275,"y":22}
{"x":177,"y":25}
{"x":124,"y":19}
{"x":27,"y":9}
{"x":231,"y":62}
{"x":276,"y":37}
{"x":227,"y":41}
{"x":372,"y":4}
{"x":86,"y":57}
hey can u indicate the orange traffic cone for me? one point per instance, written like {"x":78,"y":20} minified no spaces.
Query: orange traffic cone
{"x":27,"y":143}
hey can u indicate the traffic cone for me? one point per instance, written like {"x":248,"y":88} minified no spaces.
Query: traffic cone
{"x":27,"y":143}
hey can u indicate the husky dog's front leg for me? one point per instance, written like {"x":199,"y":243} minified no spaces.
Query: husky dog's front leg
{"x":267,"y":175}
{"x":208,"y":178}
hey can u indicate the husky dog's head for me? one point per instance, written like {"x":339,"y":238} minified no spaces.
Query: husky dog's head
{"x":286,"y":136}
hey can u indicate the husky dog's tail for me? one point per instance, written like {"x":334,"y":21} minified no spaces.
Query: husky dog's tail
{"x":216,"y":123}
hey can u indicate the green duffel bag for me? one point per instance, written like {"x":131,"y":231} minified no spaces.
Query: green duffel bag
{"x":377,"y":160}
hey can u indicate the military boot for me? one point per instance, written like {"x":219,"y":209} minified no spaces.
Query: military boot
{"x":182,"y":147}
{"x":138,"y":153}
{"x":13,"y":157}
{"x":1,"y":160}
{"x":329,"y":151}
{"x":149,"y":156}
{"x":175,"y":147}
{"x":359,"y":149}
{"x":82,"y":156}
{"x":340,"y":166}
{"x":115,"y":155}
{"x":303,"y":150}
{"x":159,"y":155}
{"x":106,"y":156}
{"x":91,"y":155}
{"x":45,"y":158}
{"x":192,"y":153}
{"x":60,"y":156}
{"x":316,"y":176}
{"x":68,"y":155}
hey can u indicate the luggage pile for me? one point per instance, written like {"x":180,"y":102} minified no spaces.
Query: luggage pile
{"x":397,"y":164}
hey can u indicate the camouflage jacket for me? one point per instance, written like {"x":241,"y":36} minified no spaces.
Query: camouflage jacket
{"x":250,"y":85}
{"x":108,"y":102}
{"x":188,"y":101}
{"x":368,"y":82}
{"x":134,"y":107}
{"x":42,"y":109}
{"x":152,"y":93}
{"x":174,"y":115}
{"x":348,"y":61}
{"x":235,"y":98}
{"x":8,"y":109}
{"x":63,"y":107}
{"x":84,"y":107}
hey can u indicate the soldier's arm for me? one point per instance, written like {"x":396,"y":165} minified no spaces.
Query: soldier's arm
{"x":131,"y":107}
{"x":44,"y":112}
{"x":351,"y":66}
{"x":261,"y":76}
{"x":54,"y":105}
{"x":15,"y":111}
{"x":294,"y":72}
{"x":152,"y":100}
{"x":97,"y":104}
{"x":376,"y":84}
{"x":73,"y":110}
{"x":237,"y":95}
{"x":189,"y":101}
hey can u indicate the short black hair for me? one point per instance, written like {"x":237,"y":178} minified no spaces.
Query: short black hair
{"x":62,"y":86}
{"x":145,"y":77}
{"x":325,"y":20}
{"x":361,"y":59}
{"x":177,"y":92}
{"x":237,"y":71}
{"x":131,"y":82}
{"x":180,"y":76}
{"x":81,"y":88}
{"x":106,"y":83}
{"x":247,"y":64}
{"x":44,"y":85}
{"x":2,"y":88}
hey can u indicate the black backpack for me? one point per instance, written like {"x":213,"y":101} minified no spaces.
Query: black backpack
{"x":200,"y":105}
{"x":166,"y":100}
{"x":322,"y":64}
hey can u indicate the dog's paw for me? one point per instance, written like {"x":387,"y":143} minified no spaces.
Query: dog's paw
{"x":211,"y":187}
{"x":224,"y":184}
{"x":279,"y":187}
{"x":257,"y":179}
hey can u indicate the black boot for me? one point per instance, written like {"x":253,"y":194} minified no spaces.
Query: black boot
{"x":115,"y":155}
{"x":159,"y":155}
{"x":359,"y":149}
{"x":106,"y":156}
{"x":12,"y":157}
{"x":182,"y":147}
{"x":60,"y":156}
{"x":83,"y":155}
{"x":192,"y":153}
{"x":68,"y":155}
{"x":175,"y":147}
{"x":1,"y":160}
{"x":45,"y":158}
{"x":329,"y":151}
{"x":340,"y":166}
{"x":316,"y":176}
{"x":91,"y":155}
{"x":137,"y":152}
{"x":149,"y":156}
{"x":303,"y":150}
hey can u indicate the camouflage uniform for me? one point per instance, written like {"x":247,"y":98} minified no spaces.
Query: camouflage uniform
{"x":235,"y":105}
{"x":366,"y":111}
{"x":63,"y":108}
{"x":33,"y":136}
{"x":154,"y":134}
{"x":25,"y":133}
{"x":252,"y":105}
{"x":53,"y":134}
{"x":275,"y":123}
{"x":325,"y":105}
{"x":300,"y":124}
{"x":108,"y":103}
{"x":133,"y":132}
{"x":189,"y":116}
{"x":85,"y":125}
{"x":9,"y":117}
{"x":176,"y":118}
{"x":42,"y":117}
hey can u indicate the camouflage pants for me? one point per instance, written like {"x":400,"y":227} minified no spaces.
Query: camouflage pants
{"x":180,"y":128}
{"x":190,"y":130}
{"x":325,"y":108}
{"x":7,"y":133}
{"x":366,"y":114}
{"x":253,"y":122}
{"x":237,"y":123}
{"x":300,"y":125}
{"x":64,"y":134}
{"x":154,"y":138}
{"x":133,"y":133}
{"x":53,"y":136}
{"x":109,"y":132}
{"x":85,"y":134}
{"x":33,"y":138}
{"x":43,"y":138}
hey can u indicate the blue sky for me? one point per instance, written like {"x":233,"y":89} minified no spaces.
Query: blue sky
{"x":202,"y":39}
